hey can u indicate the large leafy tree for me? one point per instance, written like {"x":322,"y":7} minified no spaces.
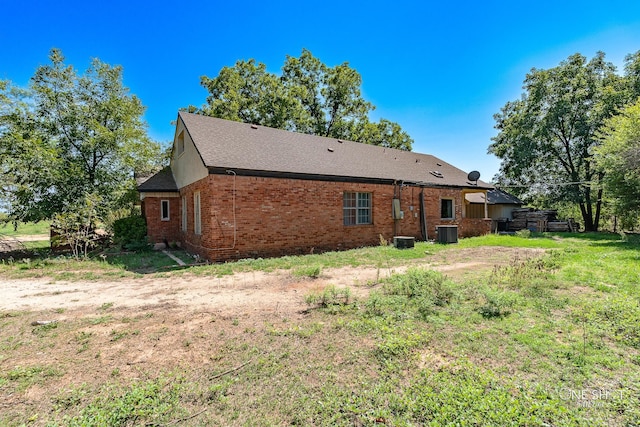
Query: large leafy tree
{"x":70,"y":137}
{"x":308,"y":97}
{"x":546,"y":138}
{"x":619,"y":159}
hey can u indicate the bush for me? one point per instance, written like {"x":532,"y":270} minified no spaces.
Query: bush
{"x":131,"y":232}
{"x":76,"y":226}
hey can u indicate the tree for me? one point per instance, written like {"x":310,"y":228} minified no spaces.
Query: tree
{"x":308,"y":97}
{"x":619,"y":159}
{"x":68,"y":137}
{"x":546,"y":138}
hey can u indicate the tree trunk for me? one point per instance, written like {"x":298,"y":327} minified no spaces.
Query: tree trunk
{"x":587,"y":212}
{"x":587,"y":218}
{"x":596,"y":222}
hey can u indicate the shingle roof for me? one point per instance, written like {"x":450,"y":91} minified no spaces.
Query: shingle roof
{"x":162,"y":181}
{"x":225,"y":144}
{"x":495,"y":197}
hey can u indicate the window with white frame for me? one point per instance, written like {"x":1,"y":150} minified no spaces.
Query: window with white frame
{"x":164,"y":210}
{"x":356,"y":208}
{"x":184,"y":213}
{"x":197,"y":224}
{"x":447,"y":209}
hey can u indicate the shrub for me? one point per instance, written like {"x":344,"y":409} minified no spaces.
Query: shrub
{"x":131,"y":232}
{"x":76,"y":226}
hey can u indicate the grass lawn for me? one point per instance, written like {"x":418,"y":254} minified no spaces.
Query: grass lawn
{"x":550,"y":341}
{"x":25,"y":229}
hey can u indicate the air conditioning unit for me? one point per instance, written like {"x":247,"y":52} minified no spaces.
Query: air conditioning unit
{"x":403,"y":242}
{"x":447,"y":233}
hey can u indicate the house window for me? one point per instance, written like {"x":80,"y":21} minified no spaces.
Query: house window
{"x":447,"y":209}
{"x":180,"y":144}
{"x":356,"y":208}
{"x":164,"y":210}
{"x":184,"y":213}
{"x":197,"y":224}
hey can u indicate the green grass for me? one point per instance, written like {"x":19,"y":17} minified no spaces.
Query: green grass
{"x":130,"y":264}
{"x":25,"y":228}
{"x":24,"y":377}
{"x":107,"y":267}
{"x":547,"y":341}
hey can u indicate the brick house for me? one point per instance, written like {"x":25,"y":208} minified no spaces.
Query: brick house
{"x":235,"y":190}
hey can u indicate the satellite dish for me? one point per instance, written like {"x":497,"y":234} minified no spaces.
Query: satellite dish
{"x":473,"y":176}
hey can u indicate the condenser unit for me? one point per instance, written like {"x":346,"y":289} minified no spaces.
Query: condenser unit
{"x":447,"y":233}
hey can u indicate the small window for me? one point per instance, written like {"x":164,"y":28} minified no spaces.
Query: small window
{"x":447,"y":209}
{"x":184,"y":213}
{"x":164,"y":210}
{"x":197,"y":224}
{"x":356,"y":208}
{"x":180,"y":144}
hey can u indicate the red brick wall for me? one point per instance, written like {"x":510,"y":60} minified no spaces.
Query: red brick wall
{"x":159,"y":231}
{"x":469,"y":227}
{"x":275,"y":216}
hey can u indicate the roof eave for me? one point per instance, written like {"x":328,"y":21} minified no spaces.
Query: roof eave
{"x":217,"y":170}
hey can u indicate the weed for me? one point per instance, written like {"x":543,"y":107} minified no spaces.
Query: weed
{"x":617,"y":317}
{"x":311,"y":271}
{"x":100,"y":320}
{"x":118,"y":335}
{"x":106,"y":306}
{"x":374,"y":305}
{"x":524,"y":273}
{"x":497,"y":303}
{"x":397,"y":345}
{"x":42,"y":330}
{"x":67,"y":399}
{"x":423,"y":284}
{"x":83,"y":338}
{"x":329,"y":296}
{"x":151,"y":402}
{"x":27,"y":376}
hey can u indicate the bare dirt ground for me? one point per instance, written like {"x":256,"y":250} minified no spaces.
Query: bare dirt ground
{"x":16,"y":243}
{"x":276,"y":292}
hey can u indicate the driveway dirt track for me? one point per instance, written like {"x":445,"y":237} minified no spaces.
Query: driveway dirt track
{"x":241,"y":292}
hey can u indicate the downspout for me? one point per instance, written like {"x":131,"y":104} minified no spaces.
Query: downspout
{"x":396,"y":206}
{"x":423,"y":217}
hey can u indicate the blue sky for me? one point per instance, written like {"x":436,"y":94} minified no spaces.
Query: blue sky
{"x":440,"y":69}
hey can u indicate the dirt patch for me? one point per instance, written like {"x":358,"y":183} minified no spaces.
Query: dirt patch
{"x":276,"y":292}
